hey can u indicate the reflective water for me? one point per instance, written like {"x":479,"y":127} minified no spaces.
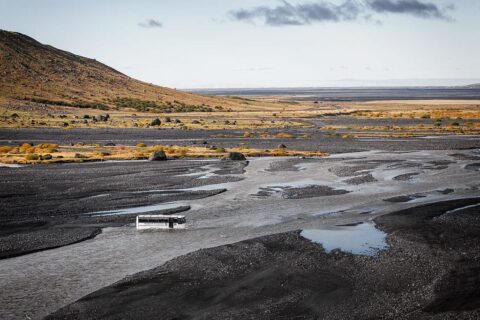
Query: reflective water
{"x":39,"y":283}
{"x":362,"y":239}
{"x":11,"y":165}
{"x":134,"y":210}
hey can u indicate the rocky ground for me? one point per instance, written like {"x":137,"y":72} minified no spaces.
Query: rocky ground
{"x":38,"y":215}
{"x":331,"y":142}
{"x":430,"y":271}
{"x":64,"y":207}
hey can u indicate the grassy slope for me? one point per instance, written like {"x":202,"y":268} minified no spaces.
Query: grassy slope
{"x":33,"y":70}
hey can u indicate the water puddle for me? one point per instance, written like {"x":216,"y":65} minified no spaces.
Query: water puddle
{"x":207,"y":172}
{"x":11,"y":165}
{"x":362,"y":239}
{"x":135,"y":210}
{"x":208,"y":187}
{"x":306,"y":166}
{"x":307,"y":191}
{"x":99,"y":196}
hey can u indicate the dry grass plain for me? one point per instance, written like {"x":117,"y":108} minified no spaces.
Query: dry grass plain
{"x":78,"y":153}
{"x":15,"y":114}
{"x":295,"y":120}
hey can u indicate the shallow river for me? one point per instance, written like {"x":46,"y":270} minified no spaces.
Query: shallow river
{"x":276,"y":195}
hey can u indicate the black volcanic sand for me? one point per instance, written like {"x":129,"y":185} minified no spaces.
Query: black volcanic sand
{"x":361,"y":179}
{"x":318,"y":141}
{"x":406,"y":176}
{"x":406,"y":198}
{"x":430,"y":271}
{"x":37,"y":215}
{"x":308,"y":191}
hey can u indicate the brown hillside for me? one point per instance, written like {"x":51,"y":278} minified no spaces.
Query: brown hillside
{"x":33,"y":71}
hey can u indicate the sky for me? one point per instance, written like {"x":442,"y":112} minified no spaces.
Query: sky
{"x":263,"y":43}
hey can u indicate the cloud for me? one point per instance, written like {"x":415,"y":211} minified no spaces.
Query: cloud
{"x":413,"y":7}
{"x":150,"y":23}
{"x":301,"y":14}
{"x":287,"y":14}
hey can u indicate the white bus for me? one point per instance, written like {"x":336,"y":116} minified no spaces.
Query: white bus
{"x":160,"y":222}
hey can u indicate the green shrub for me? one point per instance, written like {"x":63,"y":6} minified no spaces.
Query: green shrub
{"x":166,"y":107}
{"x":32,"y":156}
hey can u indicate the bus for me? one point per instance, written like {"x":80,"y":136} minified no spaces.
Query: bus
{"x":160,"y":222}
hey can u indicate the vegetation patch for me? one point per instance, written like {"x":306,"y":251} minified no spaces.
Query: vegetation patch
{"x":81,"y":152}
{"x":164,"y":107}
{"x":80,"y":104}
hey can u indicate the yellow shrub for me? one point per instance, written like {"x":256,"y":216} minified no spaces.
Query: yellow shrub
{"x":278,"y":152}
{"x":5,"y":149}
{"x":157,"y":148}
{"x":24,"y":147}
{"x":285,"y":135}
{"x":47,"y":146}
{"x":182,"y":151}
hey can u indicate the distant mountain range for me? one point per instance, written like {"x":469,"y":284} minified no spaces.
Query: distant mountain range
{"x":33,"y":71}
{"x":473,"y":86}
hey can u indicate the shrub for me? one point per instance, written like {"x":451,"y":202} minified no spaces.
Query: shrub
{"x":278,"y":152}
{"x":31,"y":156}
{"x":6,"y":149}
{"x":24,"y":147}
{"x":141,"y":145}
{"x":47,"y":146}
{"x":285,"y":135}
{"x":157,"y":148}
{"x":183,"y":152}
{"x":91,"y":105}
{"x":104,"y":154}
{"x":170,"y":150}
{"x":155,"y":122}
{"x":145,"y":105}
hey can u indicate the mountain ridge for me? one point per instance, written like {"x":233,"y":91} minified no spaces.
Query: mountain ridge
{"x":30,"y":70}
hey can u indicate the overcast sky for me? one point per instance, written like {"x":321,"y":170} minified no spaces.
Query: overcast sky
{"x":262,"y":43}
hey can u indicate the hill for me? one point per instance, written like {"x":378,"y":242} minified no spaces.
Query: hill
{"x":41,"y":73}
